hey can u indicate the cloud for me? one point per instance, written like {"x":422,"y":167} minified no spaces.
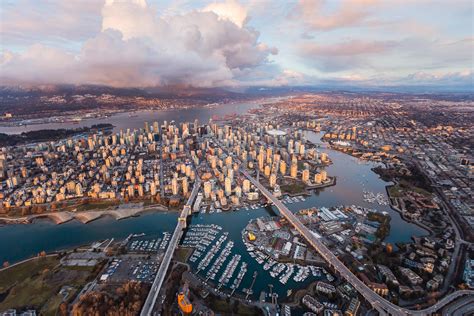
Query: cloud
{"x":229,"y":10}
{"x":461,"y":81}
{"x":349,"y":48}
{"x":462,"y":78}
{"x":24,"y":21}
{"x":327,"y":15}
{"x":138,"y":48}
{"x":345,"y":55}
{"x":424,"y":53}
{"x":442,"y":80}
{"x":393,"y":57}
{"x":26,"y":67}
{"x":218,"y":42}
{"x":133,"y":18}
{"x":270,"y":75}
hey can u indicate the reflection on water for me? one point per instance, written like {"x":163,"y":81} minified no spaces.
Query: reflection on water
{"x":18,"y":242}
{"x":135,"y":120}
{"x":21,"y":241}
{"x":353,"y":178}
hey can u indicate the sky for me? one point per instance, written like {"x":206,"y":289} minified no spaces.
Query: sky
{"x":237,"y":43}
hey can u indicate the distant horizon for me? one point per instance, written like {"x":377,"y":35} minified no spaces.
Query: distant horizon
{"x":399,"y":89}
{"x":239,"y":44}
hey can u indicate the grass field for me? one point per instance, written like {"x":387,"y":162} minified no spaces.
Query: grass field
{"x":22,"y":271}
{"x":96,"y":206}
{"x":51,"y":306}
{"x":395,"y":191}
{"x":398,"y":190}
{"x":36,"y":284}
{"x":182,"y":254}
{"x":293,"y":188}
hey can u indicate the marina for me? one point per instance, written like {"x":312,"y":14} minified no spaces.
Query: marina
{"x":286,"y":276}
{"x":142,"y":243}
{"x":219,"y":264}
{"x":210,"y":230}
{"x":212,"y":209}
{"x":378,"y":198}
{"x":223,"y":261}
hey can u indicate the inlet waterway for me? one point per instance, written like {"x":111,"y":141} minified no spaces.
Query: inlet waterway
{"x":353,"y":178}
{"x":136,"y":119}
{"x":18,"y":242}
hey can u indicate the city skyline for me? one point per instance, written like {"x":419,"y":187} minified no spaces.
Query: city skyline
{"x":236,"y":157}
{"x":327,"y":202}
{"x":237,"y":44}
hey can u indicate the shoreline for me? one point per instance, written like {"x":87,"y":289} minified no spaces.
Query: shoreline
{"x":429,"y":231}
{"x":85,"y":217}
{"x":312,"y":188}
{"x":51,"y":254}
{"x":393,"y":182}
{"x":19,"y":122}
{"x":399,"y":211}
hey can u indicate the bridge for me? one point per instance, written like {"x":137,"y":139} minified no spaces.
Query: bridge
{"x":150,"y":301}
{"x":383,"y":306}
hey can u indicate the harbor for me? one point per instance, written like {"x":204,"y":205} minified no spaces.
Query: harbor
{"x":211,"y":245}
{"x":379,"y":198}
{"x":355,"y":181}
{"x":142,"y":243}
{"x":249,"y":278}
{"x":224,"y":261}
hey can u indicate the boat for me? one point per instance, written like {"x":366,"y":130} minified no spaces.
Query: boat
{"x":240,"y":276}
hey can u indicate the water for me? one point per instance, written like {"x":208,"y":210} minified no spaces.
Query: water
{"x":353,"y":177}
{"x":234,"y":223}
{"x":18,"y":242}
{"x":135,"y":120}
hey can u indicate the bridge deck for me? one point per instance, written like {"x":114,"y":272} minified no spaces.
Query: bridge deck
{"x":173,"y":244}
{"x":383,"y":306}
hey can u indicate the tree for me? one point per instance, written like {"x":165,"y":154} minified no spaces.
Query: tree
{"x":63,"y":309}
{"x":235,"y":307}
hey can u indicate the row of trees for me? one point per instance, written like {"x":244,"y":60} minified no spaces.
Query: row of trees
{"x":127,"y":300}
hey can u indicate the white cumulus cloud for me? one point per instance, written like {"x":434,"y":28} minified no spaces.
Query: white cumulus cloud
{"x":229,"y":10}
{"x":137,"y":47}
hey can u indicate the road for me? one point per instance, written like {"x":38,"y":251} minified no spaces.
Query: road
{"x":150,"y":301}
{"x":457,"y":255}
{"x":383,"y":306}
{"x":461,"y":307}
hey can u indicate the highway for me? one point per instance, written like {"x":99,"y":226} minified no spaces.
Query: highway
{"x":380,"y":304}
{"x":461,"y":307}
{"x":150,"y":301}
{"x":383,"y":306}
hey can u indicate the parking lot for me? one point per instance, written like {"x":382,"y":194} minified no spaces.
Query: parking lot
{"x":137,"y":268}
